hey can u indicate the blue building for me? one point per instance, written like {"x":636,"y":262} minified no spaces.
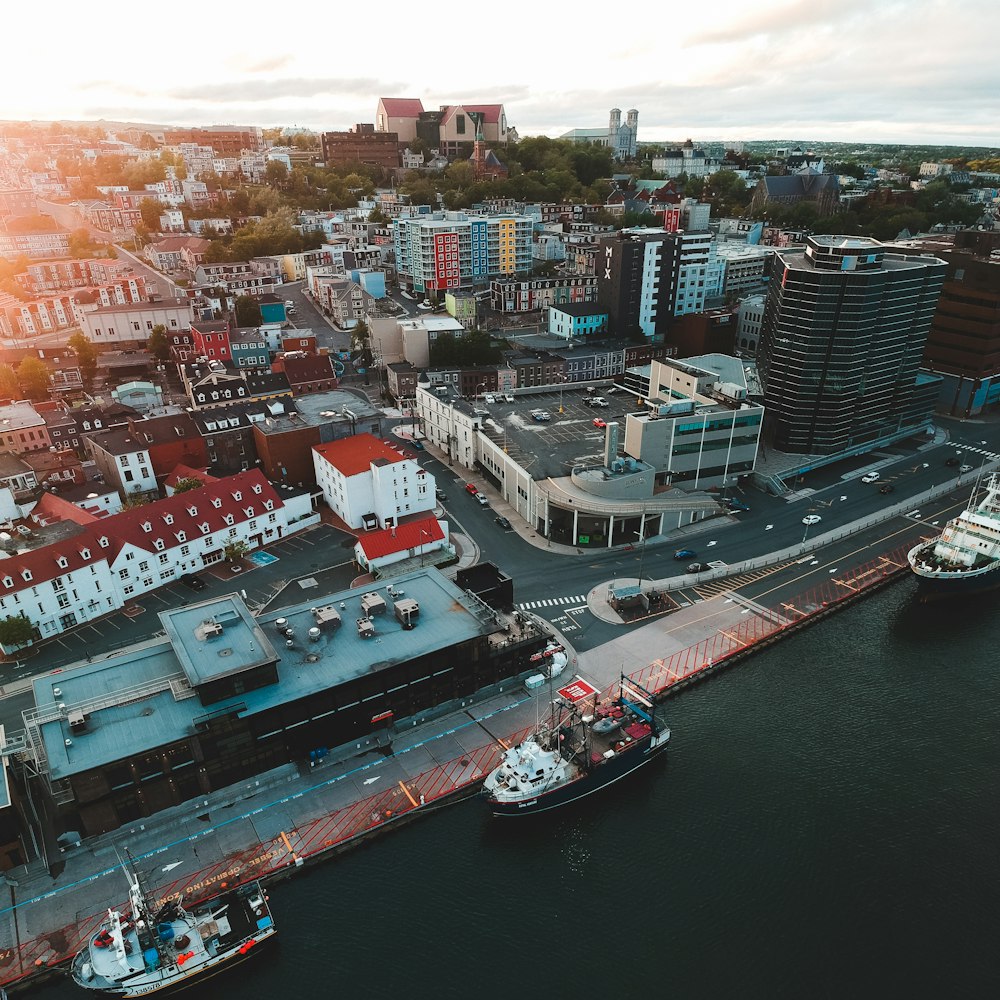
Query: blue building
{"x":572,"y":320}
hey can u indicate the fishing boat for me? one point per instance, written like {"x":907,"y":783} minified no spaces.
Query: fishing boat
{"x":965,"y":558}
{"x":164,"y":948}
{"x":581,"y":748}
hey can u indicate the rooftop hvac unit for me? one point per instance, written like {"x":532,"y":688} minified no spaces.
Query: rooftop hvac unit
{"x":372,"y":604}
{"x":407,"y":612}
{"x":366,"y":628}
{"x":327,"y":615}
{"x":314,"y":634}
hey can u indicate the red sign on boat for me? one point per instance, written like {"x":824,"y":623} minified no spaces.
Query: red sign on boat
{"x":577,"y":691}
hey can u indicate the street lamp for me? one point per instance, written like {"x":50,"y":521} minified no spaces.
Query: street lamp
{"x":422,"y":533}
{"x":482,"y":385}
{"x":642,"y":554}
{"x":562,"y":383}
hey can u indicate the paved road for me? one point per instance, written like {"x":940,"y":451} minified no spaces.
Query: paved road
{"x":164,"y":285}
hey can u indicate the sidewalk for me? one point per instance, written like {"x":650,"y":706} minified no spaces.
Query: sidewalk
{"x":297,"y":813}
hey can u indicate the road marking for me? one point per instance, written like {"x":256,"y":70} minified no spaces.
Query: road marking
{"x":371,"y":781}
{"x":834,"y":570}
{"x":172,"y":866}
{"x":768,"y":527}
{"x":710,"y":544}
{"x":843,"y":498}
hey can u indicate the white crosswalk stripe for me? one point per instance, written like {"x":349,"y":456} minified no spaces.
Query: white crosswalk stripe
{"x":552,"y":602}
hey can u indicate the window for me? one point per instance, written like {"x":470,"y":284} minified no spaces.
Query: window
{"x":135,"y":325}
{"x":144,"y":566}
{"x":168,"y":518}
{"x":26,"y":574}
{"x":159,"y":544}
{"x":130,"y":589}
{"x":123,"y":574}
{"x":62,"y":562}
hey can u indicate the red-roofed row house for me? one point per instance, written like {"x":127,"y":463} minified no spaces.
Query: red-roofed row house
{"x":112,"y":560}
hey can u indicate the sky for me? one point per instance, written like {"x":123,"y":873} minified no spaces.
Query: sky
{"x":865,"y":71}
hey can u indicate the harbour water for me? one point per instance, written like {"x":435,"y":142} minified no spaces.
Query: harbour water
{"x":826,"y":824}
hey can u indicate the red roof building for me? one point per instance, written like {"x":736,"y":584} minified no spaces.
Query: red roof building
{"x":370,"y":483}
{"x":411,"y":539}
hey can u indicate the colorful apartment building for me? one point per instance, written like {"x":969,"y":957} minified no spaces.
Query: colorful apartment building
{"x":446,"y":250}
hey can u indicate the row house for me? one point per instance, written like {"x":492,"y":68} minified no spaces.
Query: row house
{"x":177,"y":253}
{"x":248,"y":349}
{"x":108,"y":217}
{"x":540,"y":293}
{"x":60,"y":424}
{"x":211,"y":339}
{"x":208,"y":389}
{"x":115,"y":559}
{"x":172,"y":221}
{"x":130,"y":325}
{"x":447,"y":250}
{"x":63,"y":275}
{"x":136,"y":457}
{"x":29,"y":319}
{"x":58,"y":586}
{"x":56,"y":469}
{"x":220,"y":226}
{"x":17,"y":476}
{"x":228,"y":433}
{"x":218,"y":274}
{"x":371,"y":484}
{"x":129,"y":200}
{"x":344,"y":301}
{"x":22,"y":427}
{"x":34,"y":246}
{"x":307,"y":373}
{"x":196,"y":194}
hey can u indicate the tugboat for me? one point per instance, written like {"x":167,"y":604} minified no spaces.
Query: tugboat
{"x":577,"y":752}
{"x":165,"y":949}
{"x":965,"y":559}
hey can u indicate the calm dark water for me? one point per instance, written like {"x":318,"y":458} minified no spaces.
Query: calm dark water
{"x":825,"y":825}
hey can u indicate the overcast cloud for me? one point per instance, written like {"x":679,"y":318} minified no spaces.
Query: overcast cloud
{"x":921,"y":71}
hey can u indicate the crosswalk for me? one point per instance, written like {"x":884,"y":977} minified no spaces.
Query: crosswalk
{"x":553,"y":602}
{"x":991,"y":455}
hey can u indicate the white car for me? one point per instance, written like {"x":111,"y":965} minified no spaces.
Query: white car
{"x":507,"y":397}
{"x":811,"y":519}
{"x":871,"y":477}
{"x":489,"y":398}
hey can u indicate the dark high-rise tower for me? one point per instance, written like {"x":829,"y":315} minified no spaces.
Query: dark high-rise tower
{"x":841,"y":341}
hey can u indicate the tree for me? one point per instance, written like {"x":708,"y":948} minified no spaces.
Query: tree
{"x":234,"y":551}
{"x":10,"y":388}
{"x":248,"y":311}
{"x":157,"y":343}
{"x":151,"y":209}
{"x":130,"y":503}
{"x":17,"y":631}
{"x":34,"y":378}
{"x":187,"y":484}
{"x":80,"y":244}
{"x":275,"y":174}
{"x":86,"y":357}
{"x":377,"y":217}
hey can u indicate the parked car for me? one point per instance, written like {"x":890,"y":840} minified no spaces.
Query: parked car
{"x":870,"y":477}
{"x":886,"y":488}
{"x":599,"y":423}
{"x":417,"y":444}
{"x":507,"y":397}
{"x":192,"y":581}
{"x":503,"y":522}
{"x":697,"y":568}
{"x":612,"y":390}
{"x":483,"y":499}
{"x":682,"y":554}
{"x":811,"y":519}
{"x":441,"y":495}
{"x":954,"y":460}
{"x":471,"y":488}
{"x":489,"y":398}
{"x":734,"y":504}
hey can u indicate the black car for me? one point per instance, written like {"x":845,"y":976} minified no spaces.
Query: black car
{"x":503,"y":522}
{"x":192,"y":581}
{"x":954,"y":460}
{"x":441,"y":495}
{"x":886,"y":488}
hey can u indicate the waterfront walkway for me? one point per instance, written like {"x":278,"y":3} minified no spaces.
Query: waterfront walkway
{"x":297,"y":814}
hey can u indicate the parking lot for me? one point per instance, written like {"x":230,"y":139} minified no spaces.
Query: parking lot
{"x":552,"y":447}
